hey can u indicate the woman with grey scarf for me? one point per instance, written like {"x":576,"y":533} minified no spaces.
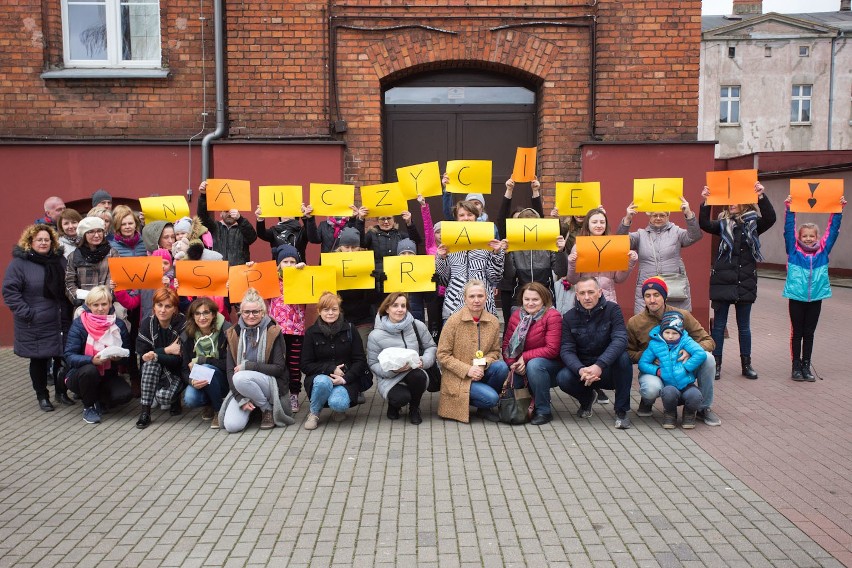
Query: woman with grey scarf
{"x":257,"y":369}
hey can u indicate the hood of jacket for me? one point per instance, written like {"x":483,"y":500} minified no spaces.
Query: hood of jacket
{"x":151,"y":233}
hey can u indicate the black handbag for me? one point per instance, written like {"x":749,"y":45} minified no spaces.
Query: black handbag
{"x":514,"y":402}
{"x":433,"y":372}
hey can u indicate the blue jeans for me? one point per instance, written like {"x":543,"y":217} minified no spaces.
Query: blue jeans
{"x":650,"y":386}
{"x":689,"y":398}
{"x":213,"y":394}
{"x":541,"y":375}
{"x":720,"y":320}
{"x":495,"y":375}
{"x":482,"y":395}
{"x":324,"y":391}
{"x":618,"y":377}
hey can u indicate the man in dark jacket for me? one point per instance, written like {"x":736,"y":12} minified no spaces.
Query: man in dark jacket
{"x":232,"y":235}
{"x":594,"y":351}
{"x":288,"y":231}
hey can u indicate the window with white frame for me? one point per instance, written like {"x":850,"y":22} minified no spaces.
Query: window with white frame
{"x":111,"y":33}
{"x":729,"y":107}
{"x":800,"y":109}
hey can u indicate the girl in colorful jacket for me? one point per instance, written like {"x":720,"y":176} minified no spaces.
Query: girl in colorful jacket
{"x":807,"y":284}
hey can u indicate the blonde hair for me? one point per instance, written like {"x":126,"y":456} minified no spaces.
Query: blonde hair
{"x":26,"y":240}
{"x":253,"y":297}
{"x":119,"y":212}
{"x":97,"y":294}
{"x":473,"y":283}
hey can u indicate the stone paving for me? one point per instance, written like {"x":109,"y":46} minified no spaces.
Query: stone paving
{"x":770,"y":487}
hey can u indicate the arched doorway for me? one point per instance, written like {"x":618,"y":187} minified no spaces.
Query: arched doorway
{"x":455,"y":115}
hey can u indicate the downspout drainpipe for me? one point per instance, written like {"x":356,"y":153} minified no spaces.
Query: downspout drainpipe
{"x":219,"y":58}
{"x":831,"y":91}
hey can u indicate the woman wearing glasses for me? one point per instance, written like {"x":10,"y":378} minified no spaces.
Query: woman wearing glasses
{"x":88,"y":266}
{"x":204,"y":343}
{"x":658,"y":246}
{"x":383,"y":239}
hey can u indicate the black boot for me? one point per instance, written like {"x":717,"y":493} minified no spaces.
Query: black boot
{"x":718,"y":369}
{"x":796,"y":375}
{"x":62,"y":397}
{"x":414,"y":415}
{"x":807,"y":375}
{"x":748,"y":370}
{"x":176,"y":408}
{"x":393,"y":412}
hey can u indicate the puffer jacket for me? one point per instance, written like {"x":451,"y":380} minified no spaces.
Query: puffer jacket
{"x":543,"y":338}
{"x":525,"y":266}
{"x":593,"y":337}
{"x":385,"y":243}
{"x":75,"y":347}
{"x":290,"y":232}
{"x":382,"y":337}
{"x":321,"y":355}
{"x":672,"y":372}
{"x":807,"y":273}
{"x":323,"y":234}
{"x":735,"y":280}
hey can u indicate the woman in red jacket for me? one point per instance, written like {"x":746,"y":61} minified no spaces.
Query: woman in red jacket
{"x":531,"y":346}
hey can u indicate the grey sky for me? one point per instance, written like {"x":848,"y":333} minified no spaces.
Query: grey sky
{"x":716,"y":7}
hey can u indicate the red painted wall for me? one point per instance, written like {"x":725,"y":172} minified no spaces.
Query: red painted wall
{"x":617,"y":165}
{"x":74,"y":171}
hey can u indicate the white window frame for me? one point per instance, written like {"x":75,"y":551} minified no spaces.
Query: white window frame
{"x":113,"y":23}
{"x":797,"y":103}
{"x":729,"y":101}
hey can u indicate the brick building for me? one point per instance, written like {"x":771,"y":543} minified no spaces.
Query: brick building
{"x":117,"y":97}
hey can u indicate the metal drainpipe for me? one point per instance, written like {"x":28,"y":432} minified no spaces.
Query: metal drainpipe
{"x":219,"y":58}
{"x":831,"y":92}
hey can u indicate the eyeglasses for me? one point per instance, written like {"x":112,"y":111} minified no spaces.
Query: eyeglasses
{"x":660,"y":215}
{"x":204,"y":314}
{"x":251,"y":312}
{"x":97,"y":231}
{"x":385,"y":219}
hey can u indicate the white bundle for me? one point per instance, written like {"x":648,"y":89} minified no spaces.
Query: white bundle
{"x":394,"y":358}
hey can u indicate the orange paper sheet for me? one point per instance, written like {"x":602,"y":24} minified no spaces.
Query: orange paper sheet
{"x":731,"y":187}
{"x":262,"y":276}
{"x":136,"y":272}
{"x":227,"y":194}
{"x":202,"y":277}
{"x":603,"y":254}
{"x":816,"y":195}
{"x":524,"y":169}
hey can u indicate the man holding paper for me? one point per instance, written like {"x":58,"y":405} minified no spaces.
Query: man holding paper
{"x":232,"y":235}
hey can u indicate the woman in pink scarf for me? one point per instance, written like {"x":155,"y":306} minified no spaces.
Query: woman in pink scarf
{"x":92,"y":372}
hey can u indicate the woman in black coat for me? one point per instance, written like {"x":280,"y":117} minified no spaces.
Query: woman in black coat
{"x":34,"y":289}
{"x":333,"y":361}
{"x":733,"y":279}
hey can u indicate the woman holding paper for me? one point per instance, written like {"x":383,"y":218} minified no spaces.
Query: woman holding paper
{"x":96,"y":342}
{"x":396,"y":328}
{"x":88,"y":266}
{"x":203,"y":351}
{"x":456,"y":269}
{"x":473,"y":372}
{"x":659,"y":249}
{"x":33,"y":288}
{"x":158,"y":345}
{"x":733,"y":280}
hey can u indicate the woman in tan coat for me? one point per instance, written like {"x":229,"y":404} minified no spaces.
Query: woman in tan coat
{"x":469,"y":354}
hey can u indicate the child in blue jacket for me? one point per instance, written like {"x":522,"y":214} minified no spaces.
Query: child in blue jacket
{"x":667,"y":342}
{"x":807,"y":284}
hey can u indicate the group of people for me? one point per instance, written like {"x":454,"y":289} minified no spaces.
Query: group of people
{"x":562,"y":327}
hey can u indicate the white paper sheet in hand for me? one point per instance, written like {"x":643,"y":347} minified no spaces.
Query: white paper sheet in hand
{"x":202,"y":373}
{"x":114,"y":352}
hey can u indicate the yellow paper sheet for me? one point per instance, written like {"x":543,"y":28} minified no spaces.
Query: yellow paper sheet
{"x":227,"y":194}
{"x":466,"y":235}
{"x":420,"y":179}
{"x":469,"y":176}
{"x":577,"y":198}
{"x":384,"y":199}
{"x":202,"y":277}
{"x":409,"y":273}
{"x":524,"y":169}
{"x":532,"y":234}
{"x":332,"y":200}
{"x":280,"y":200}
{"x":136,"y":272}
{"x":306,"y":285}
{"x":164,"y":208}
{"x":603,"y":254}
{"x":352,"y":268}
{"x":657,"y":194}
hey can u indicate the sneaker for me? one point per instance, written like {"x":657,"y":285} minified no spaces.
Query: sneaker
{"x":646,"y":408}
{"x":267,"y":423}
{"x":294,"y":403}
{"x":602,"y":397}
{"x":669,"y":420}
{"x":91,"y":416}
{"x":312,"y":422}
{"x":709,"y":417}
{"x":214,"y":422}
{"x":622,"y":421}
{"x":688,"y":420}
{"x":586,"y":409}
{"x":207,"y":413}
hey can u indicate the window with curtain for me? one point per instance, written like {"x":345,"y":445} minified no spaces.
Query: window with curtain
{"x":111,"y":33}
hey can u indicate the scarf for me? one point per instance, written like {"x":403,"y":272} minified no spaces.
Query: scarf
{"x":208,"y":345}
{"x":331,"y":329}
{"x":400,"y":326}
{"x":252,"y":344}
{"x":519,"y":336}
{"x":130,"y":242}
{"x":54,"y":273}
{"x":103,"y":333}
{"x":338,"y":224}
{"x":749,"y":233}
{"x":808,"y":249}
{"x":96,"y":255}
